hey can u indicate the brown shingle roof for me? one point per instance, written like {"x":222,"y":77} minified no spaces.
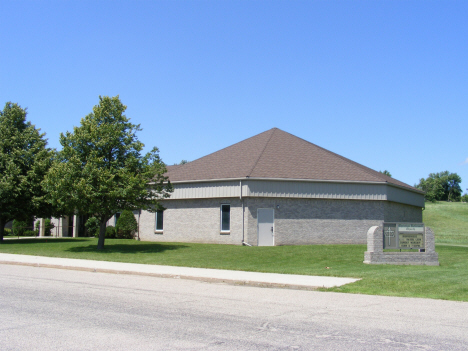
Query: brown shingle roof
{"x":277,"y":154}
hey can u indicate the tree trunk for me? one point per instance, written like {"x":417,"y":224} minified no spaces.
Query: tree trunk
{"x":102,"y":233}
{"x":3,"y":222}
{"x":2,"y":228}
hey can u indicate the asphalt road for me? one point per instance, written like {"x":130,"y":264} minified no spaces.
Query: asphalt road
{"x":54,"y":309}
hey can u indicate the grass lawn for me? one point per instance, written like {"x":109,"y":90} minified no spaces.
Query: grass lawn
{"x":449,"y":220}
{"x":448,"y":281}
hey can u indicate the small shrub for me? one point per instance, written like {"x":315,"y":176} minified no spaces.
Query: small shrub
{"x":29,"y":233}
{"x":37,"y":228}
{"x":7,"y":231}
{"x":110,"y":232}
{"x":92,"y":225}
{"x":126,"y":226}
{"x":19,"y":227}
{"x":48,"y":227}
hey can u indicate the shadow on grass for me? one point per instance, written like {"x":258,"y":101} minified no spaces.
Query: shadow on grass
{"x":127,"y":249}
{"x":41,"y":241}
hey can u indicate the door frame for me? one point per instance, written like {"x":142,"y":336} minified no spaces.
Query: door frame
{"x":273,"y":225}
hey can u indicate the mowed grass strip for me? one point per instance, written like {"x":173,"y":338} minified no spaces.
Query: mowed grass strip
{"x":448,"y":281}
{"x":449,"y":220}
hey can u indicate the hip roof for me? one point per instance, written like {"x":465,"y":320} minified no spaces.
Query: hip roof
{"x":277,"y":154}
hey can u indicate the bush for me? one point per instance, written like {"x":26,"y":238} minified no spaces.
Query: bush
{"x":29,"y":233}
{"x":126,"y":226}
{"x":37,"y":228}
{"x":19,"y":227}
{"x":92,"y":225}
{"x":110,"y":232}
{"x":7,"y":231}
{"x":48,"y":227}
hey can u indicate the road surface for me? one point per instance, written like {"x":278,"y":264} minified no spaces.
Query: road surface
{"x":54,"y":309}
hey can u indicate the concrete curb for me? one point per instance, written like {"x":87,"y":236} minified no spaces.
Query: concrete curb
{"x":290,"y":281}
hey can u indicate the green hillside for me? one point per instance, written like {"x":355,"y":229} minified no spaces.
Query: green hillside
{"x":449,"y":220}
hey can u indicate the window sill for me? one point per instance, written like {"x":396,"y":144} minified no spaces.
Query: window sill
{"x":158,"y":232}
{"x":225,"y":232}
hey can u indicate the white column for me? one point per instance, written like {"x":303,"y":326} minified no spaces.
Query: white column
{"x":75,"y":226}
{"x":42,"y":227}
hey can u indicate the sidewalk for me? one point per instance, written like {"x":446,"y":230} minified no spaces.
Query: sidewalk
{"x":291,"y":281}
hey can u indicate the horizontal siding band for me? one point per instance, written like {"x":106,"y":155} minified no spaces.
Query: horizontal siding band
{"x":296,"y":189}
{"x":293,"y":189}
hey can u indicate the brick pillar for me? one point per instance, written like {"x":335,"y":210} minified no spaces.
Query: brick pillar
{"x":374,"y":244}
{"x":430,"y":240}
{"x":375,"y":239}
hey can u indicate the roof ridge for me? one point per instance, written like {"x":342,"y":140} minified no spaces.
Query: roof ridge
{"x":224,"y":148}
{"x":261,"y":153}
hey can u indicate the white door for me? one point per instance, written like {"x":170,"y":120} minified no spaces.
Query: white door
{"x":265,"y":228}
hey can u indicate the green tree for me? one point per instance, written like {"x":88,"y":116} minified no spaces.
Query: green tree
{"x":464,"y":198}
{"x":442,"y":186}
{"x":126,"y":225}
{"x":387,"y":173}
{"x":48,"y":227}
{"x":100,"y":169}
{"x":19,"y":227}
{"x":92,"y":225}
{"x":24,"y":161}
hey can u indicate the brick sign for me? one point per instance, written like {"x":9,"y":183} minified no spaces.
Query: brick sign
{"x":403,"y":236}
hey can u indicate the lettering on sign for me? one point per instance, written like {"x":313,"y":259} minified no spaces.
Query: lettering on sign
{"x":417,"y":228}
{"x":411,"y":241}
{"x":403,"y":236}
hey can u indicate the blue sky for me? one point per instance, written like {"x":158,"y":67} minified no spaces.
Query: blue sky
{"x":384,"y":83}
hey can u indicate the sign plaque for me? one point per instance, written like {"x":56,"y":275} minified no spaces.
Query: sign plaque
{"x":403,"y":236}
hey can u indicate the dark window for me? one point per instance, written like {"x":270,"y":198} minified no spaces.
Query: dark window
{"x":117,"y":215}
{"x":159,"y":220}
{"x":225,"y":218}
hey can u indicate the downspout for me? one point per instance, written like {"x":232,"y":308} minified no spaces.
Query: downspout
{"x":243,"y":230}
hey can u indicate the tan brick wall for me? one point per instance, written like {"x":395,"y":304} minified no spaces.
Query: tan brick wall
{"x":297,"y":221}
{"x":195,"y":220}
{"x":396,"y":212}
{"x":316,"y":221}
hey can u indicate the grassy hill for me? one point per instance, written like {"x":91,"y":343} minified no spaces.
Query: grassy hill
{"x":449,"y":220}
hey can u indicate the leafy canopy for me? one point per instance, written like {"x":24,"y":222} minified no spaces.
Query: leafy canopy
{"x":126,"y":225}
{"x":24,"y":161}
{"x":100,"y":169}
{"x":442,"y":186}
{"x":387,"y":173}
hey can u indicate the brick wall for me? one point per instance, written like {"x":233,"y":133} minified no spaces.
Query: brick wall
{"x":396,"y":212}
{"x":297,"y":221}
{"x":316,"y":221}
{"x":194,"y":220}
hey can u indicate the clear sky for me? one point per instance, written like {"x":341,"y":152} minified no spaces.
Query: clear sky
{"x":384,"y":83}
